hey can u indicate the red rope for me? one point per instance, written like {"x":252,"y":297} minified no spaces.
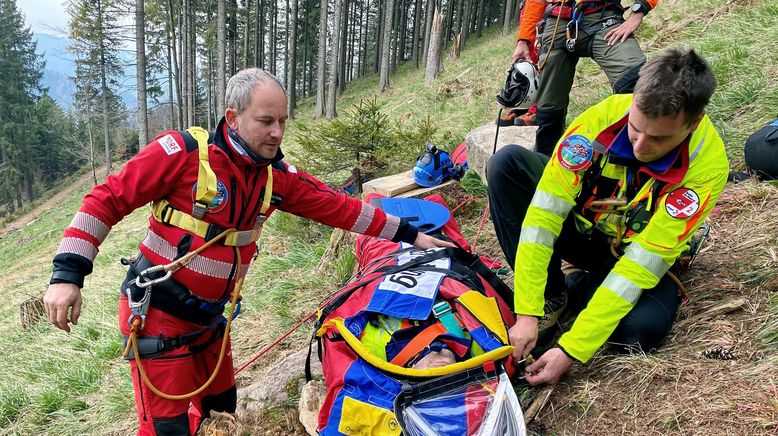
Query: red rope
{"x":276,"y":342}
{"x":480,"y":226}
{"x":463,"y":203}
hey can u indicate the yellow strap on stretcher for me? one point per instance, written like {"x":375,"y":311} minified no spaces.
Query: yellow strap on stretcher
{"x":382,"y":364}
{"x":164,"y":212}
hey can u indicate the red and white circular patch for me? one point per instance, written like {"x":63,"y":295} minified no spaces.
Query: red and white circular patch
{"x":682,"y":203}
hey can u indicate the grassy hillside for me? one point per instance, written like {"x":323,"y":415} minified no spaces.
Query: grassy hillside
{"x":54,"y":383}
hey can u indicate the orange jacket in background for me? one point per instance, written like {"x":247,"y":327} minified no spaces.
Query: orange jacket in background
{"x":533,"y":12}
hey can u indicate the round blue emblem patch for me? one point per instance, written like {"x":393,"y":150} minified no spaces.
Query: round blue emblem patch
{"x":575,"y":152}
{"x":219,"y":201}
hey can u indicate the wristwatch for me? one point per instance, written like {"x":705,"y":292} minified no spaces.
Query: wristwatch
{"x":639,"y":7}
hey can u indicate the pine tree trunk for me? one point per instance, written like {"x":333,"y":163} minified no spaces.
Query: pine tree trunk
{"x":176,"y":73}
{"x":394,"y":34}
{"x":402,"y":31}
{"x":332,"y":92}
{"x":380,"y":35}
{"x":465,"y":27}
{"x":436,"y":47}
{"x":343,"y":45}
{"x":448,"y":23}
{"x":431,"y":7}
{"x":416,"y":33}
{"x":232,"y":37}
{"x":192,"y":50}
{"x":274,"y":38}
{"x":184,"y":45}
{"x":286,"y":45}
{"x":140,"y":56}
{"x":480,"y":18}
{"x":363,"y":38}
{"x":259,"y":34}
{"x":383,"y":80}
{"x":173,"y":121}
{"x":306,"y":26}
{"x":246,"y":35}
{"x":321,"y":61}
{"x":508,"y":19}
{"x":292,"y":68}
{"x":104,"y":95}
{"x":221,"y":69}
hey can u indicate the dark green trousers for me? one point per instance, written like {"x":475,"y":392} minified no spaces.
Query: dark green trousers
{"x":620,"y":63}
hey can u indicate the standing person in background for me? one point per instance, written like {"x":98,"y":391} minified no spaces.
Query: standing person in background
{"x":572,"y":30}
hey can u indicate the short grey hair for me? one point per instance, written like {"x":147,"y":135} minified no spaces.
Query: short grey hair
{"x":675,"y":81}
{"x":240,"y":86}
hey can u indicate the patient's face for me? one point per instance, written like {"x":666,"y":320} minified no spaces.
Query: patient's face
{"x":435,"y":359}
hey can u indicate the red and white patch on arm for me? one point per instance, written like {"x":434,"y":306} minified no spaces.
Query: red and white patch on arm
{"x":682,"y":203}
{"x":169,"y":144}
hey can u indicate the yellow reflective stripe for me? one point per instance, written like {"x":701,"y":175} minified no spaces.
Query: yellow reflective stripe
{"x":537,"y":235}
{"x":550,"y":203}
{"x":623,"y":287}
{"x":652,"y":262}
{"x":206,"y":178}
{"x":365,"y":353}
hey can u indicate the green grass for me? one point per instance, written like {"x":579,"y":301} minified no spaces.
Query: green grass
{"x":54,"y":383}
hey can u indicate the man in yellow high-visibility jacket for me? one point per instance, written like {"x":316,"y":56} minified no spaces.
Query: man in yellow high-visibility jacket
{"x":635,"y":176}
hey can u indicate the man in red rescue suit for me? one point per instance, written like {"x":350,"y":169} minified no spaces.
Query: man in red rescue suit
{"x":571,"y":30}
{"x":199,"y":187}
{"x":629,"y":183}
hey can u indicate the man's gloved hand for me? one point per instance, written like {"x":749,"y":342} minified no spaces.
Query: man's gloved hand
{"x":550,"y":368}
{"x":59,"y":298}
{"x":424,"y":241}
{"x":523,"y":336}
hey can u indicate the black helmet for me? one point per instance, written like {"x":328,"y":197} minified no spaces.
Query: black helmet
{"x":521,"y":86}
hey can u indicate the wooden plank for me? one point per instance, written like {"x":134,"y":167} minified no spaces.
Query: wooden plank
{"x":390,"y":186}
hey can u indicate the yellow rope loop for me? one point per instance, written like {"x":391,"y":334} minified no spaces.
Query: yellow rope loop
{"x":553,"y":38}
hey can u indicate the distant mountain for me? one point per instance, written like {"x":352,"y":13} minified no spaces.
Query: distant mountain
{"x":60,"y":67}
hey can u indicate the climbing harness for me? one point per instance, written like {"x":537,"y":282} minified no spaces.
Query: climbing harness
{"x":136,"y":321}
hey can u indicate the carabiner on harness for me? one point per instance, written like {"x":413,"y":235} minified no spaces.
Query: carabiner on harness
{"x":138,"y":309}
{"x":571,"y":31}
{"x":151,"y":270}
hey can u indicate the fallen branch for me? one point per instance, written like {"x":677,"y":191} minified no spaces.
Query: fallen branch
{"x":538,"y":404}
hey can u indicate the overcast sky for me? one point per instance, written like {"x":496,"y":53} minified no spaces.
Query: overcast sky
{"x":45,"y":16}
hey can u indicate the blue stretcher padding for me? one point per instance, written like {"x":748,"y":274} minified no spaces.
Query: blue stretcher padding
{"x":428,"y":216}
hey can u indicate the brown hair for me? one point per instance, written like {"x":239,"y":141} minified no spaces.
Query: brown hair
{"x":675,"y":81}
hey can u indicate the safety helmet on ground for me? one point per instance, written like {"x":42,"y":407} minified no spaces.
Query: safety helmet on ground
{"x":521,"y":86}
{"x":434,"y":166}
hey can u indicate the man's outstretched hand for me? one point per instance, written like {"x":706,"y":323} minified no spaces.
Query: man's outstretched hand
{"x":59,"y":298}
{"x":425,"y":242}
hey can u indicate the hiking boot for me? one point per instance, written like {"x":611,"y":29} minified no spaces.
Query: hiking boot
{"x":509,"y":117}
{"x":527,"y":118}
{"x":550,"y":324}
